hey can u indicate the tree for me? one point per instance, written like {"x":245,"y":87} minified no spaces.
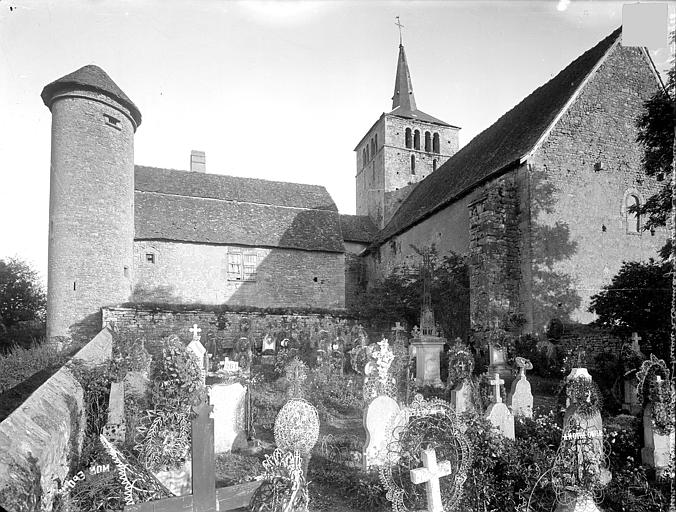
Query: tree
{"x":398,"y":297}
{"x":21,"y":295}
{"x":656,"y":135}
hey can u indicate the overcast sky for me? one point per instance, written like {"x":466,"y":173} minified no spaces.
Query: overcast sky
{"x":280,"y":91}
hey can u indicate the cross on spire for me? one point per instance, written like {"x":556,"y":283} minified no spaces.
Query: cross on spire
{"x":430,"y":474}
{"x":398,"y":24}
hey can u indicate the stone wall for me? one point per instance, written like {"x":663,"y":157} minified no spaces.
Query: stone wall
{"x":579,"y":181}
{"x":594,"y":340}
{"x":185,"y":273}
{"x":41,"y":438}
{"x":494,"y":271}
{"x":221,"y":328}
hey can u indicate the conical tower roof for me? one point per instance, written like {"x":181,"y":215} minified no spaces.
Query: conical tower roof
{"x":403,"y":89}
{"x":93,"y":78}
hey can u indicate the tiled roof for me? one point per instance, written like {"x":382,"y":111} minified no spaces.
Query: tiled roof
{"x":232,"y":188}
{"x":357,"y":228}
{"x":499,"y":147}
{"x":91,"y":78}
{"x":214,"y":221}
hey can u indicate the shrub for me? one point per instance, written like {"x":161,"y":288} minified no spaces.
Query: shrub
{"x":21,"y":363}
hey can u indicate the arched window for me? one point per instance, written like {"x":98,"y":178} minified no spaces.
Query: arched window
{"x":368,"y":155}
{"x":435,"y":143}
{"x":428,"y":142}
{"x":633,"y":217}
{"x":363,"y":157}
{"x":373,"y":149}
{"x":416,"y":139}
{"x":412,"y":164}
{"x":376,"y":139}
{"x":434,"y":165}
{"x":408,"y":138}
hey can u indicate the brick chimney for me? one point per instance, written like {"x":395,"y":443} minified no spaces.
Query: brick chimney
{"x":198,"y":161}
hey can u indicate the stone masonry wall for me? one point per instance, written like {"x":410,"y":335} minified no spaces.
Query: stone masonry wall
{"x":578,"y":184}
{"x":185,"y":273}
{"x":221,"y":328}
{"x":91,"y":223}
{"x":494,"y":254}
{"x":39,"y":439}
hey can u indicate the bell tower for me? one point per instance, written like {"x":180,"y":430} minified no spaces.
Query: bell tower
{"x":402,"y":148}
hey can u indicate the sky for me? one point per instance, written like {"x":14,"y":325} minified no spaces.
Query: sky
{"x":272,"y":90}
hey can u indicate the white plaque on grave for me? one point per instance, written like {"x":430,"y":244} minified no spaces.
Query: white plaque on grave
{"x":379,"y":419}
{"x":229,"y":401}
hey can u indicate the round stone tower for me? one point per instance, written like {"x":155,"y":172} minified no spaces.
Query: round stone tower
{"x":91,"y":202}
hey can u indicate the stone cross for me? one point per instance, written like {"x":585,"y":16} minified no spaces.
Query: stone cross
{"x":195,"y":332}
{"x":430,"y":474}
{"x":496,"y":383}
{"x":635,"y":338}
{"x":384,"y":344}
{"x":398,"y":327}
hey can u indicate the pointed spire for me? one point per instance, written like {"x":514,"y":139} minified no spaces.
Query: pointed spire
{"x":403,"y":90}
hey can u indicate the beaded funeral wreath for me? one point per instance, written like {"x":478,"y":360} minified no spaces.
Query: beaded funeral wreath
{"x":427,"y":424}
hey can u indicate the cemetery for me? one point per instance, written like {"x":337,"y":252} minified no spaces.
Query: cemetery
{"x":303,"y":413}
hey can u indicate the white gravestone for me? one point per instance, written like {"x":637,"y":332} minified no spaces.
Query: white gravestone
{"x":461,"y":397}
{"x":379,"y":422}
{"x":428,"y":351}
{"x":657,"y":448}
{"x":498,"y":413}
{"x":229,"y":401}
{"x":115,"y":428}
{"x":268,"y":343}
{"x":521,"y":397}
{"x":198,"y":349}
{"x":430,"y":474}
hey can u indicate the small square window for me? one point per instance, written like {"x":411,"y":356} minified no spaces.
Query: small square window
{"x":150,"y":257}
{"x":112,"y":121}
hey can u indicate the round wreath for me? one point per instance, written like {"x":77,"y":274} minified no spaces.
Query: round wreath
{"x":429,"y":424}
{"x":585,"y":395}
{"x":297,"y":426}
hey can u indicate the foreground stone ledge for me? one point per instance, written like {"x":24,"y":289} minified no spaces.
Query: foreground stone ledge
{"x":40,"y":438}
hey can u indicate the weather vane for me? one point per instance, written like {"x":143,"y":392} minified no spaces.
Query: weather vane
{"x":398,"y":24}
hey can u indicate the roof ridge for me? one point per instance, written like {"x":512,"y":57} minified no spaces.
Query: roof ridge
{"x":495,"y":148}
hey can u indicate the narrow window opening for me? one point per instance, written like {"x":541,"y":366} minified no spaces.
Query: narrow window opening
{"x":126,"y":272}
{"x":150,"y":257}
{"x":416,"y":139}
{"x":376,"y":142}
{"x":112,"y":121}
{"x":73,"y":285}
{"x":428,"y":141}
{"x":633,"y":217}
{"x":435,"y":143}
{"x":373,"y":149}
{"x":434,"y":165}
{"x":412,"y":164}
{"x":408,"y":138}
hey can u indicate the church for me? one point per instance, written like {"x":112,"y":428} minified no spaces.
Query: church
{"x":538,"y":202}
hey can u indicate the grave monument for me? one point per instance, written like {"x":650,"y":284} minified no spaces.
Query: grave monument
{"x":498,"y":413}
{"x":428,"y":345}
{"x":521,"y":397}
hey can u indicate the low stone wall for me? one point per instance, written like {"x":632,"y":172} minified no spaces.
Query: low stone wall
{"x":41,"y":437}
{"x":221,"y":329}
{"x":595,"y":341}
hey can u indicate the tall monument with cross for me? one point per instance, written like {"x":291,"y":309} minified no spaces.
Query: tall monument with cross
{"x":402,"y":148}
{"x":428,"y":345}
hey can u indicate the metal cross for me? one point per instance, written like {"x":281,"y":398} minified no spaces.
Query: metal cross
{"x":635,"y":338}
{"x":496,"y":382}
{"x":398,"y":24}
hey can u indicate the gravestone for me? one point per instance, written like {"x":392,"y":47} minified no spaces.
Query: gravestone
{"x":229,"y":401}
{"x":579,"y":470}
{"x":497,"y":362}
{"x":498,"y":413}
{"x":379,"y":422}
{"x":430,"y":474}
{"x":268,"y":344}
{"x":461,"y":397}
{"x":427,"y":342}
{"x":115,"y":429}
{"x":658,"y":445}
{"x":196,"y":347}
{"x":521,"y":397}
